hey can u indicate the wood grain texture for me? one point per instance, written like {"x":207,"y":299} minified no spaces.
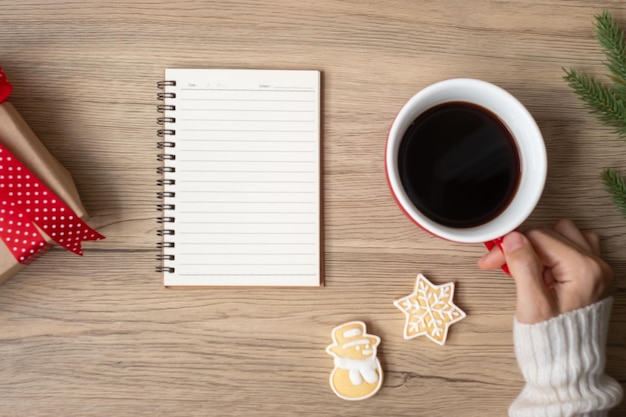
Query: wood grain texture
{"x":99,"y":336}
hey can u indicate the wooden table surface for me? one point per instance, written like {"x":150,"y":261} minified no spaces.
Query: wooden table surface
{"x":100,"y":336}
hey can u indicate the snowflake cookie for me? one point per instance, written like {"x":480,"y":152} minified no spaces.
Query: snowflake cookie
{"x":429,"y":310}
{"x":357,"y":374}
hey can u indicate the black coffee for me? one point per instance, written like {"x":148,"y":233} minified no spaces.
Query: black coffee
{"x":459,"y":164}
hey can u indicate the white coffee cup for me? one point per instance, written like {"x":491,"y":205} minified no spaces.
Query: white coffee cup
{"x":525,"y":133}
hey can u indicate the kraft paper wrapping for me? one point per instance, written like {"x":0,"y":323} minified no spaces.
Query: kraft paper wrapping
{"x":22,"y":142}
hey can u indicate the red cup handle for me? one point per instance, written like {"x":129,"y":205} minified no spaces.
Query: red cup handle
{"x":498,"y":242}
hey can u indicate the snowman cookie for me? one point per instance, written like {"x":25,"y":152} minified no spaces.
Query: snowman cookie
{"x":357,"y":374}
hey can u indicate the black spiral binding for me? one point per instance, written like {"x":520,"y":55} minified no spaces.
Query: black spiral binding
{"x":164,"y":144}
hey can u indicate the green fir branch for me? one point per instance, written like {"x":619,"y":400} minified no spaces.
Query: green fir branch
{"x":603,"y":101}
{"x":611,"y":37}
{"x":616,"y":186}
{"x":608,"y":103}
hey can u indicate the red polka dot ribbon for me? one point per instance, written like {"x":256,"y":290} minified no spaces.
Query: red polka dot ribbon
{"x":25,"y":202}
{"x":5,"y":87}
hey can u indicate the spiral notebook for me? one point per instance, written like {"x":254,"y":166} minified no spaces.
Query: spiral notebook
{"x":241,"y":196}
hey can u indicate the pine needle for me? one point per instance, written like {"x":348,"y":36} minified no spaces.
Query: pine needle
{"x":616,"y":186}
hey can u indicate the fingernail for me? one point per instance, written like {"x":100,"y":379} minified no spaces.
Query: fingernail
{"x":512,"y":242}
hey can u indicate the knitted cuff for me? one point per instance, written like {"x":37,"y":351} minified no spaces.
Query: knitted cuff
{"x":562,"y":361}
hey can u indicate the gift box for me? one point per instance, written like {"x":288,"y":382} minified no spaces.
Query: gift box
{"x":39,"y":203}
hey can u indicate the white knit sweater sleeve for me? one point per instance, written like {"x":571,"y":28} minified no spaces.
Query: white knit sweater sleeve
{"x":562,"y":361}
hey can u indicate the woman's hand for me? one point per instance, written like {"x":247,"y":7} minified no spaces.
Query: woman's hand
{"x":555,"y":270}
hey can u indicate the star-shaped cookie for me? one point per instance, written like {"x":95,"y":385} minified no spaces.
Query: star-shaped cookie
{"x":429,"y":310}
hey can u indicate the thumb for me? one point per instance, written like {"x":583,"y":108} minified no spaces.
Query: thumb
{"x":534,"y":303}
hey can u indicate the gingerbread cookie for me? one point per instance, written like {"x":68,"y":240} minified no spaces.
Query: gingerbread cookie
{"x":429,"y":310}
{"x":357,"y":374}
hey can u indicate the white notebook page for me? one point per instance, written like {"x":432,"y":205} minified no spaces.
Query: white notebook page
{"x":247,"y":178}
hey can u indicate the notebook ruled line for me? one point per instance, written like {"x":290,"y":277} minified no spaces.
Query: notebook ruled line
{"x":252,"y":253}
{"x":246,"y":233}
{"x":246,"y":275}
{"x":247,"y":202}
{"x":247,"y":120}
{"x":256,"y":90}
{"x":250,"y":244}
{"x":250,"y":192}
{"x":249,"y":141}
{"x":248,"y":100}
{"x":297,"y":171}
{"x":241,"y":264}
{"x":274,"y":223}
{"x":247,"y":150}
{"x":246,"y":212}
{"x":244,"y":110}
{"x":245,"y":130}
{"x":244,"y":160}
{"x":249,"y":182}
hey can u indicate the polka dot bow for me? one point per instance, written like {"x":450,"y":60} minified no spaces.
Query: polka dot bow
{"x":25,"y":202}
{"x":5,"y":87}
